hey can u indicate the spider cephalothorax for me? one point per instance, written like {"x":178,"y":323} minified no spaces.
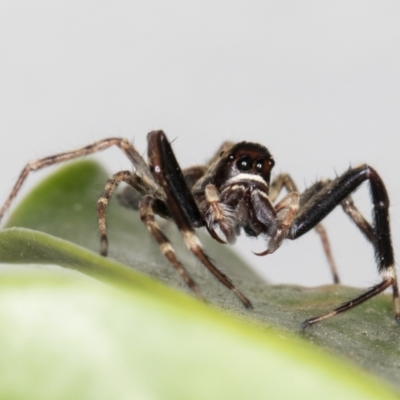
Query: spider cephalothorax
{"x":240,"y":161}
{"x":234,"y":192}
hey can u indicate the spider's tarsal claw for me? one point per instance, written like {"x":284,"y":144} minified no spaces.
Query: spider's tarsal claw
{"x":195,"y":289}
{"x":305,"y":324}
{"x":103,"y":246}
{"x":311,"y":321}
{"x":246,"y":302}
{"x":396,"y":301}
{"x":200,"y":296}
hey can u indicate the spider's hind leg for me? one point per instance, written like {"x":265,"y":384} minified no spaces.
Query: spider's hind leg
{"x":123,"y":144}
{"x":148,"y":206}
{"x":135,"y":183}
{"x":337,"y":192}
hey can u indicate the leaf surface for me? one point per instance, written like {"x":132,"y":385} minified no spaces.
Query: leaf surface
{"x":187,"y":348}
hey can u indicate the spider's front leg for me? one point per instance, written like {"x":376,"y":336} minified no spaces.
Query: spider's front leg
{"x":181,"y":203}
{"x":337,"y":192}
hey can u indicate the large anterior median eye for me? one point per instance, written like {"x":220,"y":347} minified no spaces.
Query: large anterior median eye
{"x":245,"y":163}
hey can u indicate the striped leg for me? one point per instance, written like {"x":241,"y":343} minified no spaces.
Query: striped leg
{"x":194,"y":245}
{"x":375,"y":290}
{"x":146,"y":209}
{"x":336,"y":192}
{"x":102,"y":203}
{"x":127,"y":148}
{"x":181,"y":204}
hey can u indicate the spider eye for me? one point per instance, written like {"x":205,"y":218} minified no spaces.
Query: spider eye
{"x":231,"y":157}
{"x":244,"y":163}
{"x":259,"y":165}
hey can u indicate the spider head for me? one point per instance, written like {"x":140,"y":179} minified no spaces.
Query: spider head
{"x":245,"y":158}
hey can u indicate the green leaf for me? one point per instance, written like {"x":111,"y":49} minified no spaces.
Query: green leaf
{"x":67,"y":337}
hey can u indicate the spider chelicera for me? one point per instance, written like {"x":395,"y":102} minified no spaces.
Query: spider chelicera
{"x":234,"y":192}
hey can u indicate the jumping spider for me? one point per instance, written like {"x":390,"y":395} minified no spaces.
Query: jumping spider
{"x":233,"y":192}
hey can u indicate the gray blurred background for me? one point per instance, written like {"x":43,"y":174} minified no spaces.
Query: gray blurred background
{"x":315,"y":81}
